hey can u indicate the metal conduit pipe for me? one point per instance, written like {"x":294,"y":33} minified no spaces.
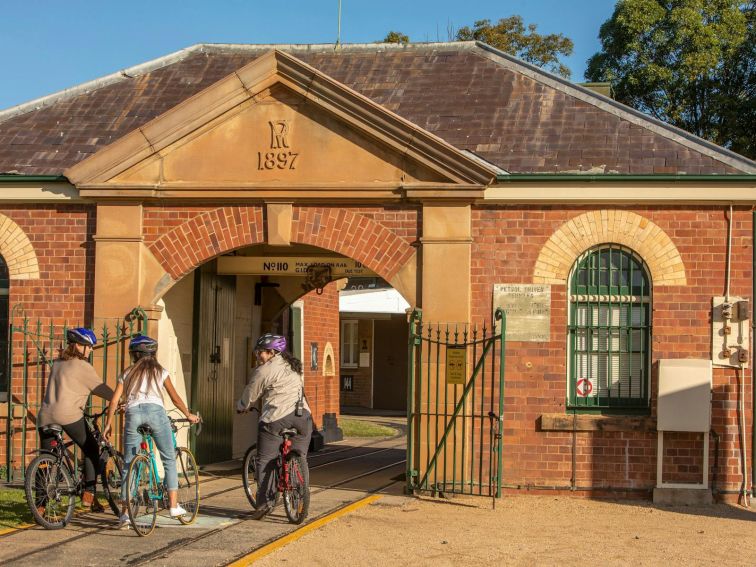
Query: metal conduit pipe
{"x":753,"y":346}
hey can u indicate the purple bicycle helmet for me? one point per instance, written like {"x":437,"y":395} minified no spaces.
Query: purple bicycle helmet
{"x":270,"y":341}
{"x":81,"y":336}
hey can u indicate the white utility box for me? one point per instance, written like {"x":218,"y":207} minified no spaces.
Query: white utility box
{"x":684,"y":404}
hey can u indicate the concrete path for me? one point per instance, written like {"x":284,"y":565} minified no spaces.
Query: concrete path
{"x":340,"y":474}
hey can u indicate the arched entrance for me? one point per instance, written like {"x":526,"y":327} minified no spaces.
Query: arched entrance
{"x":219,"y":304}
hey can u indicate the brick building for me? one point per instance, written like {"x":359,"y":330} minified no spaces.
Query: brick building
{"x":194,"y":185}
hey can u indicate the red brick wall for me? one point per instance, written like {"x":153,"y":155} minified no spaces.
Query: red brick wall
{"x":506,"y":245}
{"x":321,"y":325}
{"x":61,"y":237}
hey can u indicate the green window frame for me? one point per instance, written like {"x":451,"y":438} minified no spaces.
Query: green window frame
{"x":4,"y":324}
{"x":609,"y":331}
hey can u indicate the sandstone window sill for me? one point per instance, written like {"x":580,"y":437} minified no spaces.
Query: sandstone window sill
{"x":564,"y":422}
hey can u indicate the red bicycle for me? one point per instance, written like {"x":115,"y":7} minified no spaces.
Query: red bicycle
{"x":292,"y":478}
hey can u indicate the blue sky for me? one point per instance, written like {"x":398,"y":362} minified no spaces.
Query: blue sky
{"x":49,"y":45}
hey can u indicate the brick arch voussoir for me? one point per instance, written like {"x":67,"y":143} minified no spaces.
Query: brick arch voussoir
{"x":353,"y":235}
{"x":592,"y":228}
{"x":206,"y":236}
{"x":17,"y":251}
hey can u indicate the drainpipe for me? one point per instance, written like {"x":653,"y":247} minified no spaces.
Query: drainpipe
{"x":753,"y":358}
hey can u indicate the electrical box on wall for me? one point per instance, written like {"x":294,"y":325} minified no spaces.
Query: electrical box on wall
{"x":730,"y":331}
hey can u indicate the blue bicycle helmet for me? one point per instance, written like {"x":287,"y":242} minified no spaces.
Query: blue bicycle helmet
{"x":143,"y":344}
{"x":81,"y":336}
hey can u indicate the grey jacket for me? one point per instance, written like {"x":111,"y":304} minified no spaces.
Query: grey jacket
{"x":277,"y":385}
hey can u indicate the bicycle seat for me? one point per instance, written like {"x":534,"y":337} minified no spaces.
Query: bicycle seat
{"x":53,"y":428}
{"x":144,"y":429}
{"x":289,"y":432}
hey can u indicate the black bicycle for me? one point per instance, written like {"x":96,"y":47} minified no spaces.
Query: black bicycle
{"x":50,"y":487}
{"x":292,"y":478}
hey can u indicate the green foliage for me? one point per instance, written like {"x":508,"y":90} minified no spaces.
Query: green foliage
{"x":13,"y":509}
{"x":396,"y":37}
{"x":511,"y":36}
{"x":360,"y":428}
{"x":690,"y":63}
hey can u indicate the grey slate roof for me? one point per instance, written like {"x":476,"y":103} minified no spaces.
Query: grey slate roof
{"x":514,"y":115}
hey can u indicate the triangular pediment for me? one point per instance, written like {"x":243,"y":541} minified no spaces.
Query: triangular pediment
{"x":279,"y":128}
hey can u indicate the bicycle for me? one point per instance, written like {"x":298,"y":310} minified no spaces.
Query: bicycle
{"x":49,"y":484}
{"x":146,"y":491}
{"x":292,"y":478}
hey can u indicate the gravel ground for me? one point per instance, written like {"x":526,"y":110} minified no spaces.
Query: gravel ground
{"x":527,"y":530}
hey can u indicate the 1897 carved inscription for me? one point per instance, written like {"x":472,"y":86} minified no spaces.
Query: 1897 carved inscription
{"x":280,"y":156}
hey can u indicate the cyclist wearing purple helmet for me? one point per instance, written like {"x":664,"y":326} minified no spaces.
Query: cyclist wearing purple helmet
{"x":277,"y":381}
{"x":72,"y":380}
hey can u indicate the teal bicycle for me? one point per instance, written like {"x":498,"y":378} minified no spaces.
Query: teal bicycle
{"x":147,"y":492}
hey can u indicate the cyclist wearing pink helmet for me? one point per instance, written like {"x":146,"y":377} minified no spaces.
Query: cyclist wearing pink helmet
{"x":72,"y":380}
{"x":278,"y":382}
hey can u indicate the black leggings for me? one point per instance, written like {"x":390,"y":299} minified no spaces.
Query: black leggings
{"x":80,"y":434}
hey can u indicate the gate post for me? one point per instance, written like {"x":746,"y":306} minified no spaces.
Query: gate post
{"x":445,"y":297}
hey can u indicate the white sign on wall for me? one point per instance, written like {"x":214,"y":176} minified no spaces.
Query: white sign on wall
{"x":528,"y":309}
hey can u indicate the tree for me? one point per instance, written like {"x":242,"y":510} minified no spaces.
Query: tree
{"x":511,"y":36}
{"x":690,"y":63}
{"x":396,"y":37}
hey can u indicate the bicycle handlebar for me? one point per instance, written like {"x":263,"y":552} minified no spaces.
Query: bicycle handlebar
{"x":95,"y":416}
{"x":186,"y":420}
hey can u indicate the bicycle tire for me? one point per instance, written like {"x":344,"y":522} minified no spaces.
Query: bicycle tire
{"x":141,"y":507}
{"x":249,"y":474}
{"x":112,"y":478}
{"x":297,"y":494}
{"x":46,"y":475}
{"x":188,"y":484}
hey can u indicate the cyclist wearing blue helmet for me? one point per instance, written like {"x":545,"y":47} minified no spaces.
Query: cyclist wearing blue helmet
{"x":142,"y":385}
{"x":72,"y":380}
{"x":277,"y":381}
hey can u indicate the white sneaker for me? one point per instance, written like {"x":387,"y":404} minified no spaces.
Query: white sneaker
{"x":177,"y":511}
{"x":124,"y":521}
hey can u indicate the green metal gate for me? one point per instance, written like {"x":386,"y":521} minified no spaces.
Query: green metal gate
{"x":33,"y":345}
{"x":455,"y":406}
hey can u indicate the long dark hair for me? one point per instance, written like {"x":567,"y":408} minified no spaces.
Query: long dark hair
{"x":294,"y":363}
{"x":147,"y":369}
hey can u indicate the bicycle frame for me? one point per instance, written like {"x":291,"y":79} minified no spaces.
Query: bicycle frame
{"x":62,"y":459}
{"x":284,"y":479}
{"x":147,"y":448}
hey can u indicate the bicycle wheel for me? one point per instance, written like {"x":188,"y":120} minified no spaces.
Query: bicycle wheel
{"x":50,"y":492}
{"x":297,"y":494}
{"x":112,"y":478}
{"x":141,"y":487}
{"x":249,"y":474}
{"x":188,"y":484}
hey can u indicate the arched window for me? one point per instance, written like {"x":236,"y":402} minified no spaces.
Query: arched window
{"x":609,"y":331}
{"x":4,"y":289}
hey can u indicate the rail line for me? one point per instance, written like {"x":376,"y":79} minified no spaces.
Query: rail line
{"x":242,"y":517}
{"x":165,"y":551}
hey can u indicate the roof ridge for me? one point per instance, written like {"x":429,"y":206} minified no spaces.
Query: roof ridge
{"x":621,"y":110}
{"x":174,"y":57}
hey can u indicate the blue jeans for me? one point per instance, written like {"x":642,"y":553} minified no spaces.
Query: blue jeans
{"x":154,"y":416}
